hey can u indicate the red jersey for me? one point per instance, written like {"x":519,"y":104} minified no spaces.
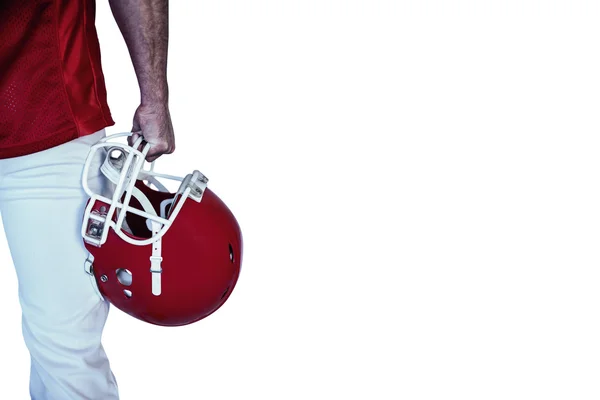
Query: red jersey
{"x":51,"y":83}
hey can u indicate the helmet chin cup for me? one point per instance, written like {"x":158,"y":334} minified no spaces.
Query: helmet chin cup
{"x":123,"y":167}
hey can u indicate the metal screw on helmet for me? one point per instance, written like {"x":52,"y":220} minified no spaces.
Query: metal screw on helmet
{"x":104,"y":278}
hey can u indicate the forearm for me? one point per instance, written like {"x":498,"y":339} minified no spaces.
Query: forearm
{"x":145,"y":28}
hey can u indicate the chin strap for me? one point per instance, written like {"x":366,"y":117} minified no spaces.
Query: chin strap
{"x":110,"y":169}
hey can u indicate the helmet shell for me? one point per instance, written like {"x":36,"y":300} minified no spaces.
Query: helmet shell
{"x":201,"y":262}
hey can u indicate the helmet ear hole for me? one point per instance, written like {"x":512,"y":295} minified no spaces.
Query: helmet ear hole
{"x":127,"y":293}
{"x":124,"y":276}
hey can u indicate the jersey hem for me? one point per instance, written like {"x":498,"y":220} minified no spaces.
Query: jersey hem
{"x":61,"y":137}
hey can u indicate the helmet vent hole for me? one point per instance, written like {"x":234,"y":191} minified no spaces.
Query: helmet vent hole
{"x":225,"y":292}
{"x":231,"y":255}
{"x":127,"y":293}
{"x":124,"y":276}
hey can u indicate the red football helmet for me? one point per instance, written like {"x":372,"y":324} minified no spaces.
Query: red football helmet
{"x":165,"y":258}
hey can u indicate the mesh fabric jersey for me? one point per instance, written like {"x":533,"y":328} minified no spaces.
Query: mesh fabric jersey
{"x":52,"y":87}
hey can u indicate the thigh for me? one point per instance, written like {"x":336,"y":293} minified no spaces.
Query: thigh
{"x":42,"y":204}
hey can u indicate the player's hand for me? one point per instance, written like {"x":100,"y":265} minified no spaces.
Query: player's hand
{"x":153,"y":122}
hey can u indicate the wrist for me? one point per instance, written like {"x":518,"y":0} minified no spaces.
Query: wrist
{"x":155,"y":92}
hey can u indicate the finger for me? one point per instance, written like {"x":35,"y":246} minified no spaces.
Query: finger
{"x":142,"y":144}
{"x":135,"y":135}
{"x":158,"y":150}
{"x":151,"y":158}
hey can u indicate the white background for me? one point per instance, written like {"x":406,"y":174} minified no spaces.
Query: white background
{"x":418,"y":187}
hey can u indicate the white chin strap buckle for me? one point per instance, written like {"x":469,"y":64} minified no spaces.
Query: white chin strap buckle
{"x":155,"y":261}
{"x":156,"y":271}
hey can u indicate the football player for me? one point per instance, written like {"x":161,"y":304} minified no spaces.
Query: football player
{"x":53,"y":108}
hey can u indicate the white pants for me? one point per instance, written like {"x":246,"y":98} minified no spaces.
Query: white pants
{"x":42,"y":204}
